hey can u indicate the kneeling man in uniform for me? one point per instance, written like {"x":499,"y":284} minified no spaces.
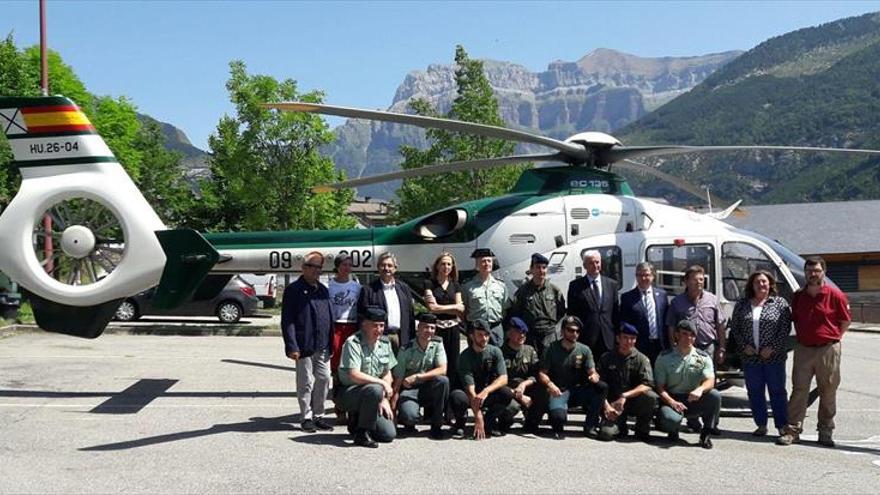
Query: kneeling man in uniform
{"x":365,"y":374}
{"x":686,"y":383}
{"x":420,"y":378}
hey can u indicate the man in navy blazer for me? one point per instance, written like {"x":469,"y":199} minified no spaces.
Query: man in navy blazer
{"x":593,"y":299}
{"x":635,"y":309}
{"x":307,"y":328}
{"x":395,"y":297}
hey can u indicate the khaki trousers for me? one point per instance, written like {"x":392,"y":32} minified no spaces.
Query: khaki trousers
{"x":824,"y":364}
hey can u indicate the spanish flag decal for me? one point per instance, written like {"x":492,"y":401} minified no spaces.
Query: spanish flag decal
{"x":58,"y":118}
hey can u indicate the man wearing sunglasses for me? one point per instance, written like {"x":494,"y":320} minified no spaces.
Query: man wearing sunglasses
{"x":307,"y":328}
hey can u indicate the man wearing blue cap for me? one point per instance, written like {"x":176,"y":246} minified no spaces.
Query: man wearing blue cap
{"x":540,"y":304}
{"x":521,"y":360}
{"x":630,"y":382}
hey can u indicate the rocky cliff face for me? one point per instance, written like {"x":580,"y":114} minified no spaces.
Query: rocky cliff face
{"x":603,"y":91}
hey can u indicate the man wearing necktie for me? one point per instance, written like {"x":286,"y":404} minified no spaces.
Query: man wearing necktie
{"x":644,"y":307}
{"x":593,"y":299}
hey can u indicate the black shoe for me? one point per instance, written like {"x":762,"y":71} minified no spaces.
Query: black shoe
{"x":643,"y":436}
{"x":705,"y":441}
{"x":558,"y":435}
{"x":497,"y":432}
{"x":408,"y":429}
{"x":673,"y":436}
{"x":364,"y":439}
{"x":715,"y":431}
{"x":323,"y":425}
{"x":694,"y":426}
{"x":308,"y":426}
{"x":436,"y":432}
{"x":458,"y":433}
{"x":591,"y":432}
{"x":530,"y":429}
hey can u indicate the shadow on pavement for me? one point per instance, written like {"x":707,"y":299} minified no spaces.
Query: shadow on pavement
{"x":253,"y":425}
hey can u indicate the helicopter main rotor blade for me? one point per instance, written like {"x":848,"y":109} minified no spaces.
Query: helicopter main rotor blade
{"x":616,"y":154}
{"x":442,"y":168}
{"x":575,"y":152}
{"x":682,"y":184}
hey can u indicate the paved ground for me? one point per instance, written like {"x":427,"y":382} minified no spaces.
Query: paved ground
{"x":173,"y":414}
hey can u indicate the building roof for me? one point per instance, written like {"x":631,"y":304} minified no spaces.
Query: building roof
{"x":816,"y":228}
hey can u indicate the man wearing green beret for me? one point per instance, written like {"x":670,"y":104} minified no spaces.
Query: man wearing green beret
{"x":685,"y":380}
{"x":420,"y":378}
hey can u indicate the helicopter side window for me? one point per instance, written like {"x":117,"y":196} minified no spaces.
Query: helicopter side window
{"x":671,"y":261}
{"x":612,"y":261}
{"x":738,"y":261}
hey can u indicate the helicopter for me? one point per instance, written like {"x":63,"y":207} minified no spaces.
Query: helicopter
{"x":105,"y":243}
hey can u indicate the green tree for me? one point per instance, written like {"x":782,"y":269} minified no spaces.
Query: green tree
{"x":139,"y":148}
{"x":264,"y":163}
{"x":475,"y":102}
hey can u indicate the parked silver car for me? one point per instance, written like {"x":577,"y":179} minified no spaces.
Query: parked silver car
{"x":238,"y":298}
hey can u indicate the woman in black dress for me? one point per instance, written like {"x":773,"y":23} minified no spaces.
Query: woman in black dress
{"x":443,"y":297}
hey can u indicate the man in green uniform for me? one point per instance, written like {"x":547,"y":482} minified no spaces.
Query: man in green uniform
{"x":484,"y":296}
{"x":483,"y":375}
{"x":522,"y":367}
{"x":365,"y":374}
{"x":630,"y":382}
{"x":568,"y":375}
{"x":686,"y":384}
{"x":420,"y":378}
{"x":540,"y":304}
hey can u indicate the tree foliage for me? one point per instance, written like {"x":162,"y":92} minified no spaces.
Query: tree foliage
{"x":264,"y":163}
{"x":138,"y":148}
{"x":475,"y":102}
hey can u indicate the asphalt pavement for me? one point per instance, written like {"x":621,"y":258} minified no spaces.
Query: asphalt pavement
{"x":204,"y":414}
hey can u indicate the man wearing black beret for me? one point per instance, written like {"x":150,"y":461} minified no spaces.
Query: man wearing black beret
{"x":540,"y":304}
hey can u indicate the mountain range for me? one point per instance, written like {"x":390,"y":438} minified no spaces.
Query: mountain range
{"x":603,"y":91}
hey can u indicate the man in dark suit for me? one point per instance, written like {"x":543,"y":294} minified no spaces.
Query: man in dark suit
{"x":593,"y":299}
{"x":644,"y":307}
{"x":393,"y":296}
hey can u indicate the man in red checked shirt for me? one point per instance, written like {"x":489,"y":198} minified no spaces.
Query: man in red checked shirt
{"x":821,"y":316}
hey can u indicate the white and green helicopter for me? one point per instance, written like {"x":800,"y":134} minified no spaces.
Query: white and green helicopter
{"x":107,"y":243}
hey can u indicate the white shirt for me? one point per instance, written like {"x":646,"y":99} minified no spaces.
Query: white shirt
{"x":756,"y":325}
{"x":343,"y":299}
{"x":393,"y":303}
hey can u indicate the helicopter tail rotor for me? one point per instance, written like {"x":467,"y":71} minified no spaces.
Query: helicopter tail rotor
{"x":101,"y":244}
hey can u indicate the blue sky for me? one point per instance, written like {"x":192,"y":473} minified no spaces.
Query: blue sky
{"x":171,"y":58}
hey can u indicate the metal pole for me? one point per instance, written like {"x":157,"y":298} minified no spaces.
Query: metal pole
{"x":44,"y":64}
{"x":44,"y":86}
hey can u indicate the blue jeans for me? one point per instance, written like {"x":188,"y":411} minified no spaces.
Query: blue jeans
{"x":767,"y":377}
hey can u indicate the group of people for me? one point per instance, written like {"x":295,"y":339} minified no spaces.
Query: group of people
{"x":636,"y":355}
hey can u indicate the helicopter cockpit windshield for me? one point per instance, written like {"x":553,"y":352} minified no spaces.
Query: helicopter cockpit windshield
{"x":794,"y":262}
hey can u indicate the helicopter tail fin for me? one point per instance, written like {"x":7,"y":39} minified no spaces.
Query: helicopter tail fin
{"x":721,"y":215}
{"x":78,"y":235}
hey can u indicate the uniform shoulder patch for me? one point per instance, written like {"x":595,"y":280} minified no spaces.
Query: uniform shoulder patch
{"x":436,"y":339}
